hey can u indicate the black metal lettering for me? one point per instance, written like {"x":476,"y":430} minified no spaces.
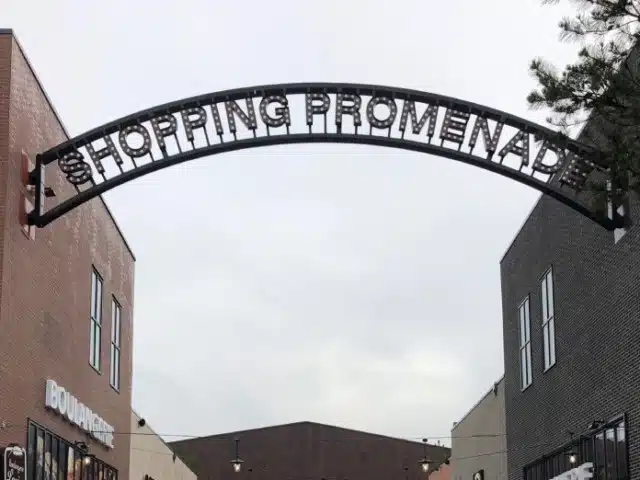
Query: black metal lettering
{"x":546,"y":146}
{"x":248,"y":118}
{"x":314,"y":109}
{"x":143,"y":149}
{"x":454,"y":126}
{"x":109,"y":150}
{"x":490,"y":142}
{"x":192,"y":119}
{"x":170,"y":128}
{"x":75,"y":168}
{"x":353,"y":109}
{"x":371,"y":112}
{"x":430,"y":114}
{"x":283,"y":116}
{"x":521,"y":150}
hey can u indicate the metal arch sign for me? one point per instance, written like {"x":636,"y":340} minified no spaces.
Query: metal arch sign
{"x":169,"y":134}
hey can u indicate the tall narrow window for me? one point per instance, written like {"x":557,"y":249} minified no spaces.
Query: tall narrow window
{"x":526,"y":375}
{"x":548,"y":322}
{"x":96,"y":320}
{"x":116,"y":315}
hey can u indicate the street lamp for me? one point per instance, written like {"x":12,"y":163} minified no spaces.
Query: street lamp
{"x":237,"y":462}
{"x":425,"y":463}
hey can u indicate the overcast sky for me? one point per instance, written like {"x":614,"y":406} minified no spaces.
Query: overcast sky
{"x":351,"y":286}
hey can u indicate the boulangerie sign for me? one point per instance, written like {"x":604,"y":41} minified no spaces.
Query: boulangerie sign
{"x":15,"y":465}
{"x":581,"y":472}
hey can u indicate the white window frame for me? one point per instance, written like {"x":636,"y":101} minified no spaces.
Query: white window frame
{"x":116,"y":330}
{"x":618,"y":233}
{"x":524,"y":323}
{"x":95,"y":325}
{"x":548,"y":320}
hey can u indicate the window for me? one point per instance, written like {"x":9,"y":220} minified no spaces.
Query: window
{"x":96,"y":320}
{"x":618,"y":233}
{"x":605,"y":447}
{"x":50,"y":457}
{"x":116,"y":315}
{"x":526,"y":376}
{"x":548,"y":321}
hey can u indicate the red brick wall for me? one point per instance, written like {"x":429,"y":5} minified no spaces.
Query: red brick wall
{"x":46,"y":282}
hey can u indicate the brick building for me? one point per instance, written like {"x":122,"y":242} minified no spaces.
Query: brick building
{"x":310,"y":451}
{"x":66,"y":299}
{"x":571,"y":307}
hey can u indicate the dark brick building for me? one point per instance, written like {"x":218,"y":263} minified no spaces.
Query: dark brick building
{"x":66,"y":299}
{"x":308,"y":451}
{"x":571,"y":314}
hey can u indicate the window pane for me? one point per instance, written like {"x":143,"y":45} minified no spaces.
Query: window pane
{"x":551,"y":472}
{"x":552,"y":340}
{"x":119,"y":330}
{"x":112,"y":367}
{"x":545,"y":343}
{"x":54,"y":458}
{"x":117,"y":369}
{"x":70,"y":464}
{"x":523,"y":368}
{"x":550,"y":293}
{"x":600,"y":471}
{"x":529,"y":372}
{"x":92,"y":343}
{"x":114,"y":319}
{"x":587,"y":450}
{"x":47,"y":457}
{"x":94,"y":293}
{"x":610,"y":446}
{"x":39,"y":455}
{"x":527,"y":329}
{"x":77,"y":468}
{"x":31,"y":447}
{"x":544,"y":299}
{"x":97,"y":347}
{"x":99,"y":302}
{"x":622,"y":451}
{"x":523,"y":336}
{"x":62,"y":461}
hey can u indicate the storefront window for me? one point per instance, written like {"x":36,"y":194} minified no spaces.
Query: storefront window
{"x":31,"y":452}
{"x":610,"y":452}
{"x":51,"y":457}
{"x":600,"y":470}
{"x":71,"y":464}
{"x":47,"y":457}
{"x":62,"y":461}
{"x":39,"y":454}
{"x":621,"y":438}
{"x":606,"y":448}
{"x":54,"y":458}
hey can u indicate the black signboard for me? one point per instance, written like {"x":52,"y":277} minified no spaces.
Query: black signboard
{"x":15,"y":463}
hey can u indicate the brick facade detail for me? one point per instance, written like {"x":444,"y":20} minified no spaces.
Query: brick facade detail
{"x":597,"y":310}
{"x":45,"y":282}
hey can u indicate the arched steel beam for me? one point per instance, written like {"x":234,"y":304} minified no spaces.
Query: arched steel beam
{"x":176,"y":132}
